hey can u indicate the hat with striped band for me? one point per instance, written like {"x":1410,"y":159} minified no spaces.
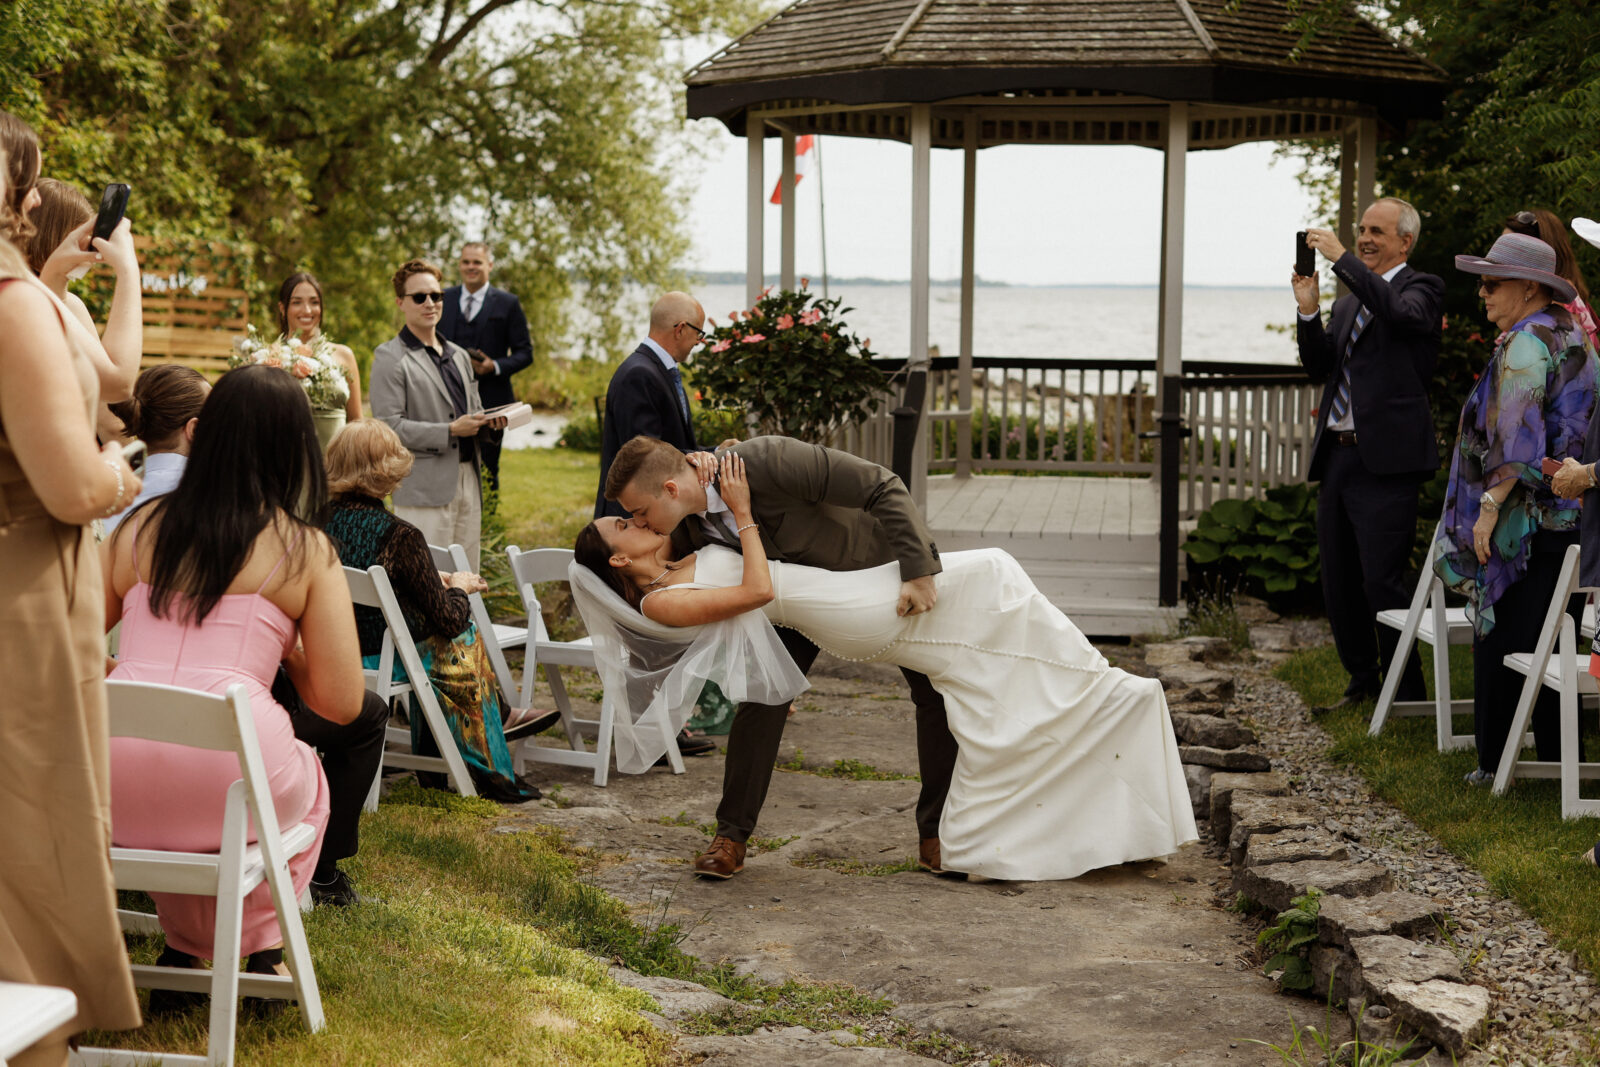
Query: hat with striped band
{"x":1516,"y":255}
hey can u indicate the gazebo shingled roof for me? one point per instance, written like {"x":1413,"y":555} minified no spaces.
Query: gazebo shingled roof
{"x":855,"y":52}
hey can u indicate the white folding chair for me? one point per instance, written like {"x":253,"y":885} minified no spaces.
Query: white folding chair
{"x":28,"y":1012}
{"x":222,"y":724}
{"x":1559,"y":662}
{"x":1425,"y":620}
{"x":370,"y":588}
{"x":550,"y":565}
{"x":453,"y":559}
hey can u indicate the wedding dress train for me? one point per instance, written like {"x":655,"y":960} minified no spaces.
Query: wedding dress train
{"x":1066,"y":763}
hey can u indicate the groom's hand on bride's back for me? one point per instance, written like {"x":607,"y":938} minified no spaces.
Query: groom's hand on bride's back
{"x":917,"y":596}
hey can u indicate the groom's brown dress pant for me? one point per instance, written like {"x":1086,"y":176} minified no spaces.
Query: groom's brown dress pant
{"x":758,"y":730}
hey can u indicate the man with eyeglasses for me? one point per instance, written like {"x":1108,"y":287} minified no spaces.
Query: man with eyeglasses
{"x":646,"y":396}
{"x":1375,"y":443}
{"x":424,"y":388}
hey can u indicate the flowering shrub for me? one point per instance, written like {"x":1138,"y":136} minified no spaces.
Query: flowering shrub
{"x":791,"y":364}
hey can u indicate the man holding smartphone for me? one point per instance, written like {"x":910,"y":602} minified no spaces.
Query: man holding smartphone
{"x":488,"y":322}
{"x":1375,"y":442}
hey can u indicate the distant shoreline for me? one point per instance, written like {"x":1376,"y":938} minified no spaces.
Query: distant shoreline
{"x":730,"y":277}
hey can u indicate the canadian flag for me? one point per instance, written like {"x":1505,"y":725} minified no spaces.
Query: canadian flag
{"x":802,"y":166}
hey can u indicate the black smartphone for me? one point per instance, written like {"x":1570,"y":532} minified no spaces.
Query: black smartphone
{"x":135,"y":452}
{"x":1305,"y":264}
{"x":113,"y":205}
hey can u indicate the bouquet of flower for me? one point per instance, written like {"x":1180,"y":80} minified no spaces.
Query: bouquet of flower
{"x":313,"y":362}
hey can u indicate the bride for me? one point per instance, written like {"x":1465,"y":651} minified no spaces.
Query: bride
{"x":1066,"y":763}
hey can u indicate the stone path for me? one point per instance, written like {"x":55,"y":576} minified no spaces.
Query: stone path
{"x":1140,"y":964}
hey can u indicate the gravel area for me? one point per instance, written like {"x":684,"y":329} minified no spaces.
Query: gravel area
{"x":1546,"y":1010}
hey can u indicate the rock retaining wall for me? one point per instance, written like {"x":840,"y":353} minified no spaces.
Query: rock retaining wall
{"x":1369,"y":956}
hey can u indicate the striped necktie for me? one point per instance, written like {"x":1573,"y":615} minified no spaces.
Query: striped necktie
{"x":683,"y":397}
{"x":1341,"y":399}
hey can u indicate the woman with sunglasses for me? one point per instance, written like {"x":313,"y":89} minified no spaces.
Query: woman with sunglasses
{"x":423,"y":387}
{"x":1503,"y":532}
{"x":1547,"y":227}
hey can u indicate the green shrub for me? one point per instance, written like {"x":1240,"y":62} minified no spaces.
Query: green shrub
{"x":581,"y":433}
{"x":1266,"y":547}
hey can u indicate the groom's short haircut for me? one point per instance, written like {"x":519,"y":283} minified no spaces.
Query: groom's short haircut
{"x":415,"y":266}
{"x":644,"y":463}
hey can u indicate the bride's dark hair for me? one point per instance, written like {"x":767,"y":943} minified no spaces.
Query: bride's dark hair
{"x":591,"y":550}
{"x":255,"y":460}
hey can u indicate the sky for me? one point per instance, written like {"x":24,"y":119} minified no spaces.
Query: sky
{"x":1046,"y":215}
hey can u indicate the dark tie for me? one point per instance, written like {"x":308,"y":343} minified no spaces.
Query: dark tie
{"x":1341,"y":399}
{"x":452,"y":380}
{"x":683,"y":397}
{"x":472,"y":306}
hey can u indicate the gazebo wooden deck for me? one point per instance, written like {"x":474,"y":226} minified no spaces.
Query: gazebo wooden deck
{"x":1169,"y":75}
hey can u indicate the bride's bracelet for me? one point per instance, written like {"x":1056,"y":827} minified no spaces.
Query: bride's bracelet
{"x":746,"y":526}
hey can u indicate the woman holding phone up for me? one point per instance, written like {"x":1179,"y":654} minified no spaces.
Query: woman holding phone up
{"x":58,"y":922}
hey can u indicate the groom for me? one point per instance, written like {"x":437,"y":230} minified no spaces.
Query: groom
{"x":818,"y":507}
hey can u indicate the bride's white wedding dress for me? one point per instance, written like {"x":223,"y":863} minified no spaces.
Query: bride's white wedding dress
{"x":1066,"y":763}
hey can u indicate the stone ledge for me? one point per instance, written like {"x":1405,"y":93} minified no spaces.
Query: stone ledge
{"x":1225,"y":785}
{"x":1277,"y":884}
{"x":1449,"y":1014}
{"x":1233,"y":759}
{"x":1253,"y":815}
{"x":1294,"y":846}
{"x":1343,"y":919}
{"x":1211,"y":731}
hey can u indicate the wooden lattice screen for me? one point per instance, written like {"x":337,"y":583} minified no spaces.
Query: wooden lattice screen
{"x":194,"y":301}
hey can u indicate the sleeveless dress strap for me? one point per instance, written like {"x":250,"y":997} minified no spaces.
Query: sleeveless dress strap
{"x":274,"y":572}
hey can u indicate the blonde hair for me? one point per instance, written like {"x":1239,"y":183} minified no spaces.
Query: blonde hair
{"x":367,"y":457}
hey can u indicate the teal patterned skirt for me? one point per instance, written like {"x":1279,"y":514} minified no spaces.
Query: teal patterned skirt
{"x":468,"y":695}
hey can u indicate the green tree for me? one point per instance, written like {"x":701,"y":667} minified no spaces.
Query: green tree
{"x":346,"y":136}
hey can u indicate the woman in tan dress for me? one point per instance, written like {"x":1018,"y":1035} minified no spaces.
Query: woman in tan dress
{"x":58,"y":923}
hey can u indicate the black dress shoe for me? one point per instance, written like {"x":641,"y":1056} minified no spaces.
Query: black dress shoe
{"x":695,"y":746}
{"x":336,"y":892}
{"x":1349,"y":700}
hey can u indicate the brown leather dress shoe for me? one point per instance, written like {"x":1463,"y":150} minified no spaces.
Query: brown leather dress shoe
{"x":928,"y":859}
{"x":724,"y":859}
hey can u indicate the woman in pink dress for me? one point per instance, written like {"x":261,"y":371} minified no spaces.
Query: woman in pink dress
{"x":217,"y":583}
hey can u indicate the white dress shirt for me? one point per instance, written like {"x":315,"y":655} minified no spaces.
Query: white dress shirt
{"x":1349,"y":421}
{"x":162,"y":472}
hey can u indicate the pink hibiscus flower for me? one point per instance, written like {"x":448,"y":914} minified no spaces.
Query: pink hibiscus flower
{"x":811,"y":318}
{"x":722,"y":346}
{"x":752,"y":338}
{"x":785,"y":322}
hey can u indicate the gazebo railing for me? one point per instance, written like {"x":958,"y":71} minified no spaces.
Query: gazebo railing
{"x":1251,"y":424}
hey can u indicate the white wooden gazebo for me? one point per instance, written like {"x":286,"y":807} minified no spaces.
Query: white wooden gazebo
{"x":1170,"y":75}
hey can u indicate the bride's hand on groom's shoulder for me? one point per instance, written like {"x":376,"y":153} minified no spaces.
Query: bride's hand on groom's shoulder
{"x":734,"y":488}
{"x":705,"y":466}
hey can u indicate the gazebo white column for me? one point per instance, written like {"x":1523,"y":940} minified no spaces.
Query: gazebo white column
{"x":786,"y":244}
{"x":1169,"y":319}
{"x":969,"y":212}
{"x":921,"y":201}
{"x":755,"y":181}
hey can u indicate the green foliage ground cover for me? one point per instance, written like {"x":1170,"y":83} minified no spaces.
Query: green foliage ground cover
{"x":1519,"y":841}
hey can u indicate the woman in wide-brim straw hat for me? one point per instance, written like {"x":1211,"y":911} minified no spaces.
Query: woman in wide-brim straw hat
{"x":1503,"y":531}
{"x":1576,"y":480}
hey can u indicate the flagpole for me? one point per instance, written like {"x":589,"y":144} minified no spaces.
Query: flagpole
{"x":822,"y":218}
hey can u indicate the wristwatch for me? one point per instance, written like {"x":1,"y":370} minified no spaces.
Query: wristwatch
{"x":1488,"y":502}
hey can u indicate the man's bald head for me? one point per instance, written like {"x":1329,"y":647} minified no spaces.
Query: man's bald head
{"x":675,"y":323}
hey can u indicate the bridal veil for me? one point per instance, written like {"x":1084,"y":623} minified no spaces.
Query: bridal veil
{"x":653,"y":673}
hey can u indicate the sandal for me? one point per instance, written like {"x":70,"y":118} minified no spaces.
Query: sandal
{"x":1592,"y":857}
{"x":267,"y":961}
{"x":164,"y":1002}
{"x":521,"y":722}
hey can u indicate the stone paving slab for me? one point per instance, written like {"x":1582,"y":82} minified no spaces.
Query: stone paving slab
{"x":1134,"y":965}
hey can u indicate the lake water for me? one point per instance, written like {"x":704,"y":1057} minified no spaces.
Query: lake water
{"x":1245,"y":325}
{"x":1242,"y":325}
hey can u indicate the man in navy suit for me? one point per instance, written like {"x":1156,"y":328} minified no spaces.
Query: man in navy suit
{"x":646,"y":396}
{"x":1375,"y":442}
{"x":490,"y":325}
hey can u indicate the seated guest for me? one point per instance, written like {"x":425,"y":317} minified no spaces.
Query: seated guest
{"x":163,"y":412}
{"x":366,"y":461}
{"x":216,"y":583}
{"x":1503,"y":531}
{"x":1547,"y":227}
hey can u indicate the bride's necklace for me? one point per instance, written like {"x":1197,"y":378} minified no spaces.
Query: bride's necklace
{"x":660,"y":576}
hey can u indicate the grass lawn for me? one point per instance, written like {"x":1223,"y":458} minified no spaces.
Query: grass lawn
{"x":477,"y":947}
{"x":1519,"y":841}
{"x":547,"y":495}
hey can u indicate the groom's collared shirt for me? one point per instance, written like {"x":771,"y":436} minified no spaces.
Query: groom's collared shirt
{"x":718,"y":520}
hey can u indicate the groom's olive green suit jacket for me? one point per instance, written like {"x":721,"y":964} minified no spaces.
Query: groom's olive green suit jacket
{"x":825,"y":508}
